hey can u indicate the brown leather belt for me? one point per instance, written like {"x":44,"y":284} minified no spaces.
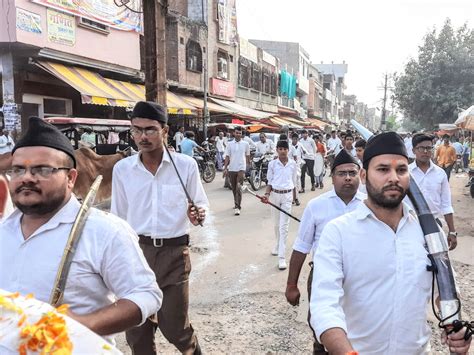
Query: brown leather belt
{"x":170,"y":242}
{"x":281,"y":191}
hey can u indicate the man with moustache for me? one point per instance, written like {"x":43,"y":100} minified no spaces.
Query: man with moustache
{"x":343,"y":198}
{"x":108,"y":292}
{"x":371,"y":287}
{"x":146,"y":191}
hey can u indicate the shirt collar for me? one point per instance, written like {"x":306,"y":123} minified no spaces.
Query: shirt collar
{"x":358,"y":196}
{"x":363,"y":211}
{"x":414,"y":166}
{"x":138,"y":160}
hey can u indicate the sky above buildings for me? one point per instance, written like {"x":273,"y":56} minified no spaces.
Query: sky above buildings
{"x":372,"y":36}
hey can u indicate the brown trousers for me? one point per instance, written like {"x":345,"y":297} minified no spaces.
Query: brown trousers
{"x":171,"y":266}
{"x":318,"y":349}
{"x":236,"y":179}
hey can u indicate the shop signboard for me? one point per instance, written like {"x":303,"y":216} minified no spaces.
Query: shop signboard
{"x":103,"y":11}
{"x":61,"y":28}
{"x":222,"y":88}
{"x":28,"y":21}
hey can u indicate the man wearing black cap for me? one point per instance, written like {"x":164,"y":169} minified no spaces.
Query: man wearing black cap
{"x":33,"y":239}
{"x":433,"y":182}
{"x":146,"y":191}
{"x":371,"y":285}
{"x":281,"y":175}
{"x":343,"y":198}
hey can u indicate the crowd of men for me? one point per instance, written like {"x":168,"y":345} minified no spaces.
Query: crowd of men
{"x":130,"y":272}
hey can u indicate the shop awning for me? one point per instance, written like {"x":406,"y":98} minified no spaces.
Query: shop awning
{"x":242,"y":111}
{"x":287,"y":121}
{"x":97,"y":90}
{"x":317,"y":123}
{"x":198,"y":103}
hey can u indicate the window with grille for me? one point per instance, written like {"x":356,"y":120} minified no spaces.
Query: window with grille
{"x":193,"y":56}
{"x":266,"y":83}
{"x":256,"y":77}
{"x":222,"y":65}
{"x":244,"y":72}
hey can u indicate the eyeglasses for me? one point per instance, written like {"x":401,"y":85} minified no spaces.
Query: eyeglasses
{"x":351,"y":173}
{"x":424,"y":149}
{"x":149,"y":132}
{"x":43,"y":172}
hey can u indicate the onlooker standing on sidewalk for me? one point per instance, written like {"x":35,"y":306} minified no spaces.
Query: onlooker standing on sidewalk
{"x":298,"y":148}
{"x":6,"y":142}
{"x":310,"y":151}
{"x":445,"y":156}
{"x":334,"y":146}
{"x":281,"y":191}
{"x":220,"y":150}
{"x":147,"y":193}
{"x":319,"y":169}
{"x":178,"y":138}
{"x":466,"y":152}
{"x":237,"y":157}
{"x":434,"y":184}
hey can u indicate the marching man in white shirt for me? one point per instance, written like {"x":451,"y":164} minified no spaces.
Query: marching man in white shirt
{"x":178,"y":138}
{"x":280,"y":191}
{"x":371,"y":287}
{"x":433,"y":182}
{"x":299,"y":152}
{"x":343,"y":198}
{"x":334,"y":146}
{"x":110,"y":287}
{"x":146,"y":191}
{"x":310,"y":151}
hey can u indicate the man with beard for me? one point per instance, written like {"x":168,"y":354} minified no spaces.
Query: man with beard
{"x":343,"y":198}
{"x":371,"y":287}
{"x":146,"y":191}
{"x":108,"y":292}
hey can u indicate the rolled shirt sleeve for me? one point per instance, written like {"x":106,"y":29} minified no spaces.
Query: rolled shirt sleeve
{"x":446,"y":206}
{"x":306,"y":232}
{"x":127,"y":274}
{"x":327,"y":290}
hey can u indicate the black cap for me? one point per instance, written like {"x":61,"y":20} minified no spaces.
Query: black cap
{"x":283,"y":144}
{"x":343,"y":157}
{"x":43,"y":134}
{"x":420,"y":137}
{"x":360,"y":143}
{"x":150,"y":110}
{"x":384,"y":143}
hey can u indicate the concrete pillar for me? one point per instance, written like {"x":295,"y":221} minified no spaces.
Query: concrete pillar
{"x":11,"y":97}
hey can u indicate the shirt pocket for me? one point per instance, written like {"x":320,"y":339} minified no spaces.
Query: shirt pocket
{"x":173,"y":195}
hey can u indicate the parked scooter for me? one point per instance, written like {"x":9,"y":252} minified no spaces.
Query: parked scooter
{"x":206,"y":162}
{"x":258,"y":172}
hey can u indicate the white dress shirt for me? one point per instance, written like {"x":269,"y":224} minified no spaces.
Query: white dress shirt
{"x":220,"y":145}
{"x":237,"y":152}
{"x":335,"y":145}
{"x":310,"y":148}
{"x":249,"y":141}
{"x":435,"y":188}
{"x":282,"y":177}
{"x":372,"y":282}
{"x":317,"y":213}
{"x":108,"y":263}
{"x":299,"y":149}
{"x":409,"y":147}
{"x":156,"y":204}
{"x":264,"y":148}
{"x":178,"y":138}
{"x":4,"y":147}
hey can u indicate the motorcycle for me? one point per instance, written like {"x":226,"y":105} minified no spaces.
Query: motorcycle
{"x":458,"y":164}
{"x":206,"y":162}
{"x":258,"y":170}
{"x":470,"y":183}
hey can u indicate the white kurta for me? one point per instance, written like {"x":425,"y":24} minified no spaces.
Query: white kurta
{"x":108,"y":263}
{"x":372,"y":282}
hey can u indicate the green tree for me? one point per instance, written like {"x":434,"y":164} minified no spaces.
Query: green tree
{"x":392,"y":123}
{"x":434,"y":86}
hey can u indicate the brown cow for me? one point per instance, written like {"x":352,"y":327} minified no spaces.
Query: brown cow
{"x":89,"y":166}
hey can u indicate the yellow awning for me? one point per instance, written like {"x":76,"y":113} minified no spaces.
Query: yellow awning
{"x":97,"y":90}
{"x":198,"y":103}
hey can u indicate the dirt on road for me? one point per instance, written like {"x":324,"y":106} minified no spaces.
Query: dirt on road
{"x":237,"y":293}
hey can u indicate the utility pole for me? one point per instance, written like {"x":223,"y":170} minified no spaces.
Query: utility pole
{"x":205,"y":73}
{"x":154,"y":18}
{"x":383,"y":123}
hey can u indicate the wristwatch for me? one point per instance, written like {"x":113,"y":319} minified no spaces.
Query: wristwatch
{"x":455,"y":234}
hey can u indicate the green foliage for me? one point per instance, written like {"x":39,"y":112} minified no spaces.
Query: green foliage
{"x":434,"y":87}
{"x":392,"y":123}
{"x":409,"y":125}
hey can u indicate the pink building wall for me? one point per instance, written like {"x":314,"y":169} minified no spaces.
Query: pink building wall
{"x":117,"y":47}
